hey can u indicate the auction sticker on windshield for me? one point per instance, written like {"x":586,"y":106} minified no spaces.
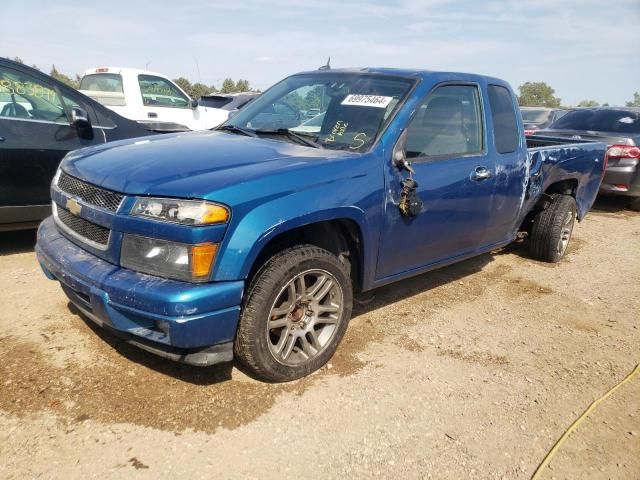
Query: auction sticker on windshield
{"x":367,"y":101}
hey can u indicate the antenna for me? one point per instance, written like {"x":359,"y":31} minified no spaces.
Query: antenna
{"x":146,"y":65}
{"x":327,"y":66}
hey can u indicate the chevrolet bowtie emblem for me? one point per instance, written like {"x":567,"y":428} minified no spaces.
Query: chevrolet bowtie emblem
{"x":74,"y":207}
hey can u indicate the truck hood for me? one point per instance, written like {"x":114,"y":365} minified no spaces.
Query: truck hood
{"x":194,"y":165}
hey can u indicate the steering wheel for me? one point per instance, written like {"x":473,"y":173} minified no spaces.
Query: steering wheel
{"x":14,"y":110}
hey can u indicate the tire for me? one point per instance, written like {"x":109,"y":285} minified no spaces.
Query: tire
{"x":634,"y":204}
{"x":294,"y":314}
{"x":552,"y":228}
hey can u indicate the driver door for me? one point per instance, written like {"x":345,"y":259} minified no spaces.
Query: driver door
{"x":455,"y":175}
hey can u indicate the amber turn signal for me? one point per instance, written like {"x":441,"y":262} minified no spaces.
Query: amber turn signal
{"x":202,"y":256}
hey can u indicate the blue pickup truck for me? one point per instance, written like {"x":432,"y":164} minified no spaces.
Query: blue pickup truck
{"x":250,"y":240}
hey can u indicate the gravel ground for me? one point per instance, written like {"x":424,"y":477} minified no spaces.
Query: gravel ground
{"x":472,"y":371}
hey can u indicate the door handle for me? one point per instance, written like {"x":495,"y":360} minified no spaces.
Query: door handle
{"x":481,"y":173}
{"x":152,"y":115}
{"x":1,"y":139}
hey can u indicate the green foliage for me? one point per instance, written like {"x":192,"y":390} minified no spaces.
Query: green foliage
{"x":63,"y":78}
{"x":313,"y":98}
{"x":195,"y":90}
{"x":588,"y":103}
{"x":228,"y":86}
{"x":635,"y":102}
{"x":537,"y":94}
{"x":242,"y":86}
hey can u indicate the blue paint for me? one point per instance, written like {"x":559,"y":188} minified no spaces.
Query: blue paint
{"x":273,"y":186}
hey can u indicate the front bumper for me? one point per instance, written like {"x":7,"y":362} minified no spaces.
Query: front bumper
{"x":191,"y":323}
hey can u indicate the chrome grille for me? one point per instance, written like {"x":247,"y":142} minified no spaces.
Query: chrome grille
{"x":91,"y":194}
{"x":83,"y":228}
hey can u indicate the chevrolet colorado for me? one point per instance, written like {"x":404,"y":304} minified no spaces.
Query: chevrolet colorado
{"x":250,"y":240}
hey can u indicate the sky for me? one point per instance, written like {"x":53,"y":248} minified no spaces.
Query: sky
{"x":584,"y":49}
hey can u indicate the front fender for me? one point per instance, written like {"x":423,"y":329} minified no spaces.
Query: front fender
{"x":244,"y":241}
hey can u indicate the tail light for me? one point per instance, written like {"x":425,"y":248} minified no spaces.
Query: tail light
{"x":623,"y":151}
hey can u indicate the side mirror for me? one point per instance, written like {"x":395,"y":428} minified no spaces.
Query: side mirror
{"x":399,"y":154}
{"x":233,"y":113}
{"x":80,"y":120}
{"x":193,"y":103}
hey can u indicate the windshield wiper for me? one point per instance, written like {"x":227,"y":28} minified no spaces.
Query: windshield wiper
{"x":299,"y":137}
{"x":235,"y":129}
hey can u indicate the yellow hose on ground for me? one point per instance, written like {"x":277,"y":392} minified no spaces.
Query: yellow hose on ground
{"x":577,"y":422}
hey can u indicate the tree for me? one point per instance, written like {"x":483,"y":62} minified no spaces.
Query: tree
{"x":184,"y":84}
{"x":63,"y":78}
{"x":588,"y":103}
{"x":635,"y":102}
{"x":313,"y":98}
{"x":242,"y":86}
{"x":228,"y":86}
{"x":17,"y":59}
{"x":199,"y":90}
{"x":537,"y":94}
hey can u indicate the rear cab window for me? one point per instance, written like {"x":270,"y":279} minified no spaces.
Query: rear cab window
{"x":102,"y":82}
{"x":503,"y":114}
{"x":159,"y":92}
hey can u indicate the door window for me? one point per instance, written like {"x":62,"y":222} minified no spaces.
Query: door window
{"x":447,"y":124}
{"x":505,"y":125}
{"x":159,"y":92}
{"x":26,"y":98}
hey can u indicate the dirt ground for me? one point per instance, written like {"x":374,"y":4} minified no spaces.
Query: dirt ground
{"x":472,"y":371}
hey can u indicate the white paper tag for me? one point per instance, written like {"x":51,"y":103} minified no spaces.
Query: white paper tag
{"x":367,"y":101}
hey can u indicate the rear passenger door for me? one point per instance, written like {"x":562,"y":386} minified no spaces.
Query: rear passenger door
{"x":455,"y":175}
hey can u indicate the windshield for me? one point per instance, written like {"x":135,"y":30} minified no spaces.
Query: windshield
{"x":535,"y":116}
{"x":605,"y":120}
{"x":348,"y":110}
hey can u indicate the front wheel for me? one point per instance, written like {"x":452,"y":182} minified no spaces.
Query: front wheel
{"x":295,"y":314}
{"x":552,"y":229}
{"x":634,"y":204}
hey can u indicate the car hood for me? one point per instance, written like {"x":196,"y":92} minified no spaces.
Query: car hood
{"x":195,"y":165}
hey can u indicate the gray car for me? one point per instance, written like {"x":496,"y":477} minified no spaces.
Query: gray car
{"x":619,"y":127}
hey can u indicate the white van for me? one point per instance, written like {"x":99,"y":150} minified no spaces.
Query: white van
{"x":149,"y":98}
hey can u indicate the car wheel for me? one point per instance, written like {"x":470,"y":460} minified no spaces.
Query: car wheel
{"x":634,"y":204}
{"x":295,"y":314}
{"x":552,"y":228}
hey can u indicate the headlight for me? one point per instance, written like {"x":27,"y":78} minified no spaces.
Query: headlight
{"x":180,"y":261}
{"x":186,"y":212}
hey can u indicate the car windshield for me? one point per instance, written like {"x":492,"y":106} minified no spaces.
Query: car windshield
{"x":351,"y":109}
{"x":605,"y":120}
{"x":535,"y":116}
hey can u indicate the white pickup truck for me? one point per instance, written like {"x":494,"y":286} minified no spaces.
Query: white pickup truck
{"x":149,"y":98}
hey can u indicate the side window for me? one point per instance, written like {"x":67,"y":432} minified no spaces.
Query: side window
{"x":159,"y":92}
{"x":447,"y":124}
{"x":503,"y":114}
{"x":27,"y":98}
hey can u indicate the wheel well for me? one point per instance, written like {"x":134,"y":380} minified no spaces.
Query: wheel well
{"x":342,"y":237}
{"x":564,"y":187}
